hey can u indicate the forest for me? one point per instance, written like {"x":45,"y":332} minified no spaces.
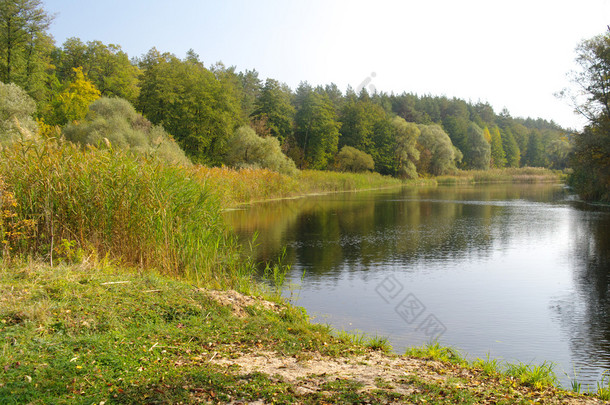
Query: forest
{"x":210,"y":114}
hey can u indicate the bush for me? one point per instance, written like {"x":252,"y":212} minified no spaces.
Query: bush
{"x":248,"y":150}
{"x":16,"y":109}
{"x":116,"y":120}
{"x":353,"y":160}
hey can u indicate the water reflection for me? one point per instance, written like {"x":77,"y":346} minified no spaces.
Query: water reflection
{"x":585,"y":312}
{"x":519,"y":272}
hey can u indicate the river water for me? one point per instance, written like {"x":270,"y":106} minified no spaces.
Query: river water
{"x":516,"y":272}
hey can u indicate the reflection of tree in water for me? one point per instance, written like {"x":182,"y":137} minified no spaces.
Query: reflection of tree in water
{"x":585,"y":313}
{"x":333,"y":233}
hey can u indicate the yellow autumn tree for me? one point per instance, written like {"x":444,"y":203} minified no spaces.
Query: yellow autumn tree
{"x":487,"y":135}
{"x":72,"y":103}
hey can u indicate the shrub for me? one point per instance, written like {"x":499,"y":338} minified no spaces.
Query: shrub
{"x":353,"y":160}
{"x":116,"y":120}
{"x":247,"y":149}
{"x":16,"y":109}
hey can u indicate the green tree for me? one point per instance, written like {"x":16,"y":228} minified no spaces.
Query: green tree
{"x":513,"y":155}
{"x":535,"y":155}
{"x":437,"y":153}
{"x":591,"y":157}
{"x":273,"y":108}
{"x":16,"y":110}
{"x":353,"y":160}
{"x":107,"y":66}
{"x":251,"y":87}
{"x":498,"y":156}
{"x":316,"y":127}
{"x":250,"y":150}
{"x":190,"y":103}
{"x":558,"y":152}
{"x":406,"y":153}
{"x":477,"y":151}
{"x":25,"y":45}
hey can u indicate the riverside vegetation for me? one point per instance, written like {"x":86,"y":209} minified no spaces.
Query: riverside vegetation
{"x":118,"y":279}
{"x":122,"y":284}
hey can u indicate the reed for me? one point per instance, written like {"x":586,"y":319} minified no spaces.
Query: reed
{"x":239,"y":186}
{"x":110,"y":203}
{"x":506,"y":175}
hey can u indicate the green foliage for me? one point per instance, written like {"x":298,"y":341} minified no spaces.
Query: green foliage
{"x":273,"y":108}
{"x":352,"y":160}
{"x":477,"y":151}
{"x":591,"y":163}
{"x":437,"y":154}
{"x":498,"y":156}
{"x":316,"y":128}
{"x":358,"y":118}
{"x":107,"y":66}
{"x":250,"y":150}
{"x":558,"y":152}
{"x":407,"y":154}
{"x":535,"y":155}
{"x":138,"y":211}
{"x":190,"y":103}
{"x":16,"y":110}
{"x":115,"y":120}
{"x":24,"y":44}
{"x":591,"y":158}
{"x":513,"y":155}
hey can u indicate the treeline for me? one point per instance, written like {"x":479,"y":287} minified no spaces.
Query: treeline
{"x":220,"y":116}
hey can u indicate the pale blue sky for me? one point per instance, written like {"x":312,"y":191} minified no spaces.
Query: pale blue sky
{"x":513,"y":54}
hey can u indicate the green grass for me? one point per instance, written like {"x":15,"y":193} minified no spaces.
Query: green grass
{"x":88,"y":333}
{"x":435,"y":351}
{"x":537,"y":376}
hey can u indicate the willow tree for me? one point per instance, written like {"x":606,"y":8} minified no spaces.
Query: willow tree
{"x":406,"y":153}
{"x":477,"y":151}
{"x":438,"y":155}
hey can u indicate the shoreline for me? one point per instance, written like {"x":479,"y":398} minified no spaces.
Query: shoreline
{"x":119,"y":335}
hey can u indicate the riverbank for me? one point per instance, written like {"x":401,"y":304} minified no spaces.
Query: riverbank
{"x":526,"y":175}
{"x":242,"y":186}
{"x":95,"y":333}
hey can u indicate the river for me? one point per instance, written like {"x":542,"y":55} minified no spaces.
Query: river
{"x":516,"y":272}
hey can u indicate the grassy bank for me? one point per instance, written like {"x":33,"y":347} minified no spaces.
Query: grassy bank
{"x":239,"y":186}
{"x":92,"y":333}
{"x":507,"y":175}
{"x":104,"y":256}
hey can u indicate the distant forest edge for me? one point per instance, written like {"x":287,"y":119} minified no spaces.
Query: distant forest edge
{"x":184,"y":112}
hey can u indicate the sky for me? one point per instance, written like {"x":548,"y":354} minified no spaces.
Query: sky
{"x":512,"y":54}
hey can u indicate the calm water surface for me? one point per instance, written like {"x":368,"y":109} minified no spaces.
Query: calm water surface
{"x":517,"y":272}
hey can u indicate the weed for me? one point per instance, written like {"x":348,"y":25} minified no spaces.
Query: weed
{"x":435,"y":351}
{"x":603,"y":387}
{"x":537,"y":376}
{"x":489,"y":366}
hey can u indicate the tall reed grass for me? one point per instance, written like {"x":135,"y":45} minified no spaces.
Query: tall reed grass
{"x":111,"y":203}
{"x":238,"y":186}
{"x":506,"y":175}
